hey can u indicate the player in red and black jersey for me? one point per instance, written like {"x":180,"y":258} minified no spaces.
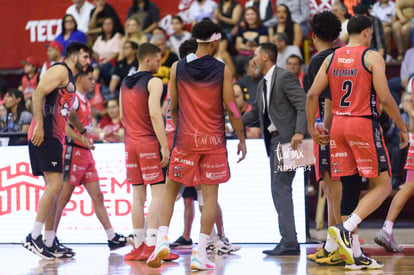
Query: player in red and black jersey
{"x":200,"y":85}
{"x":53,"y":101}
{"x":144,"y":137}
{"x":79,"y":168}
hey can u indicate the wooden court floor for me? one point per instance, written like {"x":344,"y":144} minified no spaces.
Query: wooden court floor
{"x":97,"y":259}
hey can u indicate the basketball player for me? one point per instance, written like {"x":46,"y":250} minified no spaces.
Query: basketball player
{"x":144,"y":135}
{"x":357,"y":80}
{"x":79,"y":168}
{"x":52,"y":106}
{"x":325,"y":30}
{"x":199,"y":85}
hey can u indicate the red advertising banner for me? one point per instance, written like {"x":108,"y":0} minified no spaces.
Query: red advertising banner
{"x":27,"y":25}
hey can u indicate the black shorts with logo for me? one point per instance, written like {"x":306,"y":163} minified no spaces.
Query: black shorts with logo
{"x":48,"y":157}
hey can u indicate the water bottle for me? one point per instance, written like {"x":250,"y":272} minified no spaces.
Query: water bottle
{"x":320,"y":127}
{"x":10,"y":123}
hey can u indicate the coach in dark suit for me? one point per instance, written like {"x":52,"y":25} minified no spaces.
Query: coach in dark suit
{"x":280,"y":107}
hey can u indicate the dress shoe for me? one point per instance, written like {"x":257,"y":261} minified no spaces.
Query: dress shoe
{"x":282,"y":249}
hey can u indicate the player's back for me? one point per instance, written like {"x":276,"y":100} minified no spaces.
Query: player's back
{"x":135,"y":110}
{"x":200,"y":125}
{"x":350,"y":82}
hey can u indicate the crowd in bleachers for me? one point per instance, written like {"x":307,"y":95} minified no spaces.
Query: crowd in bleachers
{"x":282,"y":22}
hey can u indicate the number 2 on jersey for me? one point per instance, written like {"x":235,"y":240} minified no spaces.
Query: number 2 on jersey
{"x":347,"y":87}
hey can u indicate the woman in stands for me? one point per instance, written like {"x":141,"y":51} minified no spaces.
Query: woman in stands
{"x":133,"y":32}
{"x":251,"y":34}
{"x":70,"y":33}
{"x":106,"y":49}
{"x":17,"y":118}
{"x":286,"y":25}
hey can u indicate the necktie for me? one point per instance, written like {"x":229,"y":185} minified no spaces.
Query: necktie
{"x":266,"y":120}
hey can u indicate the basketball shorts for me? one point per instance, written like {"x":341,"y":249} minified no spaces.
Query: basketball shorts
{"x":357,"y":146}
{"x":79,"y":166}
{"x":323,"y":162}
{"x":211,"y":168}
{"x":143,"y":163}
{"x":47,"y":157}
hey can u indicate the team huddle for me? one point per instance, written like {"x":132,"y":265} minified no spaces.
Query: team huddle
{"x":348,"y":86}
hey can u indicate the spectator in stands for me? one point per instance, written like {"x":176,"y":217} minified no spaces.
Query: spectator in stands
{"x":70,"y":32}
{"x":378,"y":39}
{"x":300,"y":12}
{"x":385,"y":11}
{"x":407,"y":67}
{"x":106,"y":49}
{"x":133,"y":32}
{"x":18,"y":119}
{"x":251,"y":34}
{"x":227,"y":15}
{"x":29,"y":80}
{"x":340,"y":10}
{"x":102,"y":11}
{"x":167,"y":59}
{"x":286,"y":25}
{"x":284,"y":50}
{"x":54,"y":54}
{"x":401,"y":27}
{"x":81,"y":11}
{"x":264,"y":7}
{"x":294,"y":65}
{"x":147,"y":13}
{"x":124,"y":67}
{"x":202,"y":9}
{"x":241,"y":97}
{"x":159,"y":31}
{"x":250,"y":80}
{"x":3,"y":117}
{"x":110,"y":128}
{"x":180,"y":34}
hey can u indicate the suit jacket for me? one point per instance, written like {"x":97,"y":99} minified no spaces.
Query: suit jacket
{"x":286,"y":109}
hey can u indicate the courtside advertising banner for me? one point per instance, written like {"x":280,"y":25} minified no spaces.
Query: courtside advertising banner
{"x":248,"y":211}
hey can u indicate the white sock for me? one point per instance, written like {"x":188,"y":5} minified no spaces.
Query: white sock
{"x":139,"y":236}
{"x":49,"y":237}
{"x":152,"y":236}
{"x":356,"y":247}
{"x":202,"y":245}
{"x":110,"y":233}
{"x":330,"y":245}
{"x":352,"y":222}
{"x":388,"y":225}
{"x":162,"y":233}
{"x":37,"y":229}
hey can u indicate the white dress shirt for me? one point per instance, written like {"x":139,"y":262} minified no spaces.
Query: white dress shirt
{"x":268,"y":79}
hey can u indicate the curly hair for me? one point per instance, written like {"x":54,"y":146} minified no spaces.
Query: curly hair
{"x":326,"y":26}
